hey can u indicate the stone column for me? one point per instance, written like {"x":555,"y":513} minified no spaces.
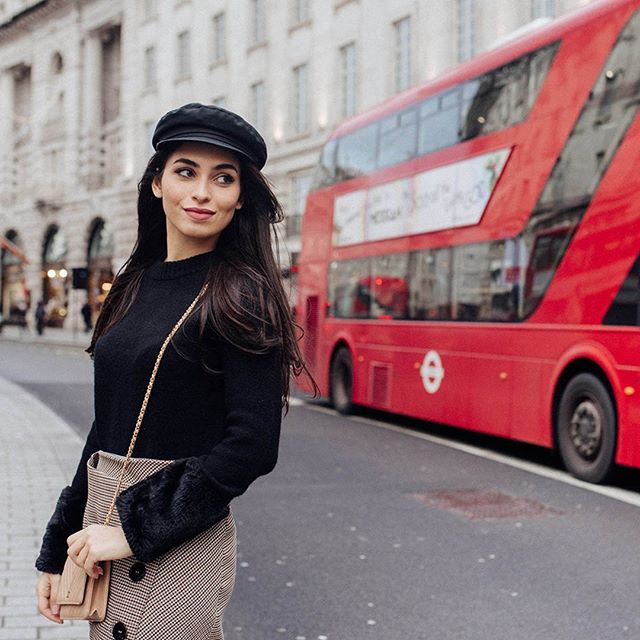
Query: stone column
{"x":91,"y":122}
{"x":6,"y":137}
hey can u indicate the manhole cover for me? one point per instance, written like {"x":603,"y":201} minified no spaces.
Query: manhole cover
{"x":484,"y":505}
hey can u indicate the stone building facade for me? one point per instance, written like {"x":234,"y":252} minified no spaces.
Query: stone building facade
{"x":82,"y":83}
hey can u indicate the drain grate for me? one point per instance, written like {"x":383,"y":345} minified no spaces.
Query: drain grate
{"x":485,"y":505}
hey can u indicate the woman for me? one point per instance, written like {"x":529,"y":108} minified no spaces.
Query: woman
{"x":212,"y":422}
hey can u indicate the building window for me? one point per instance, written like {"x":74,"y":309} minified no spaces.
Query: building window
{"x":543,"y":9}
{"x":150,"y":8}
{"x":184,"y":55}
{"x":150,"y":67}
{"x":300,"y":99}
{"x":22,"y":105}
{"x":300,"y":185}
{"x":299,"y":12}
{"x":258,"y":104}
{"x":220,"y":101}
{"x":348,"y":79}
{"x":258,"y":22}
{"x":54,"y":164}
{"x":466,"y":32}
{"x":219,"y":41}
{"x":402,"y":72}
{"x":111,"y":69}
{"x":57,"y":63}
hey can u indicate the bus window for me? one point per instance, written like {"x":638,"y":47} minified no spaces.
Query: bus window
{"x":504,"y":96}
{"x":625,"y":309}
{"x":440,"y":128}
{"x":546,"y":251}
{"x":509,"y":86}
{"x":470,"y":282}
{"x":357,"y":153}
{"x":326,"y":170}
{"x":350,"y":288}
{"x":430,"y":284}
{"x":539,"y":65}
{"x":398,"y":138}
{"x":486,"y":280}
{"x":390,"y":292}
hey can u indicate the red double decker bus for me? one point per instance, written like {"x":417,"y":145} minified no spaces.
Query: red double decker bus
{"x":471,"y":247}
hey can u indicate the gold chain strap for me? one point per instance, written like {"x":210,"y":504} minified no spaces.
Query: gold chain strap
{"x":107,"y":520}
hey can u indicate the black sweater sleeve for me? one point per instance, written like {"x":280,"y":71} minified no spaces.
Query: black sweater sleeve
{"x":68,"y":514}
{"x":191,"y":494}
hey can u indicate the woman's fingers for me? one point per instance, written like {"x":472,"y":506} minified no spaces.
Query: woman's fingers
{"x":81,"y":558}
{"x":55,"y":585}
{"x":90,"y":566}
{"x":44,"y":590}
{"x":75,"y":552}
{"x":74,"y":536}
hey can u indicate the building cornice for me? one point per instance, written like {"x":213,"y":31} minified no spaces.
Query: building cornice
{"x":30,"y":17}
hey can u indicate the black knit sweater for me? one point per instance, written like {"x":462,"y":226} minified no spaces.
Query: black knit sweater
{"x":221,"y":429}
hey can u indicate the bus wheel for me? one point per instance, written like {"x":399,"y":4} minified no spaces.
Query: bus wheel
{"x":587,"y":428}
{"x":341,"y":381}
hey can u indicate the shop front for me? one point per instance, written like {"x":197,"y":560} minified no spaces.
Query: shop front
{"x":55,"y":277}
{"x":15,"y":297}
{"x":99,"y":261}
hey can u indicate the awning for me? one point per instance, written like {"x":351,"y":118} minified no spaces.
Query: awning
{"x":13,"y":248}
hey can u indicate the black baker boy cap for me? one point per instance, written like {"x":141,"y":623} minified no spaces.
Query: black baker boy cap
{"x":195,"y":122}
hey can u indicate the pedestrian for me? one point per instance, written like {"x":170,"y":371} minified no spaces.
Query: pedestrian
{"x":86,"y":316}
{"x":40,"y":316}
{"x":205,"y":216}
{"x":22,"y":316}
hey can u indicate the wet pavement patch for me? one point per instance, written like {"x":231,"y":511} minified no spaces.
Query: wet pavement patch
{"x":484,"y":505}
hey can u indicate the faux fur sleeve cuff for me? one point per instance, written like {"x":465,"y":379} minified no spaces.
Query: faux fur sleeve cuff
{"x":62,"y":524}
{"x":168,"y":508}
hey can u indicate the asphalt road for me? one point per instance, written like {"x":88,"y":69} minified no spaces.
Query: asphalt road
{"x":367,"y":530}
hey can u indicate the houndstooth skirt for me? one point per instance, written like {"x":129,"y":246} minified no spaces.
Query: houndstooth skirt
{"x":182,"y":594}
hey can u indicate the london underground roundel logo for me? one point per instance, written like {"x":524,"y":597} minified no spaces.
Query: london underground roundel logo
{"x":432,"y":371}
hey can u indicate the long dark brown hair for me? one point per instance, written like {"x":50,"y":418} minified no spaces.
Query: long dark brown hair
{"x":245,"y":301}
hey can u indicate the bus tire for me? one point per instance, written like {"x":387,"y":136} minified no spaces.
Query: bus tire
{"x":341,"y":381}
{"x":586,"y":428}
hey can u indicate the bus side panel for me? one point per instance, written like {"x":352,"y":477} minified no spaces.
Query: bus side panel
{"x":310,"y":314}
{"x":439,"y":374}
{"x":628,"y":451}
{"x":312,"y":296}
{"x":605,"y":246}
{"x":611,"y":360}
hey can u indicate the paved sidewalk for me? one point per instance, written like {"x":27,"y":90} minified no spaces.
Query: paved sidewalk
{"x":38,"y":456}
{"x":51,"y":335}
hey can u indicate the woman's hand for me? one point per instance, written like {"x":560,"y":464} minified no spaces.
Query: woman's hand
{"x":95,"y":543}
{"x":47,"y":591}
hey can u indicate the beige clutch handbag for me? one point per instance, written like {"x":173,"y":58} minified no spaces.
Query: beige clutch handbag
{"x":79,"y":596}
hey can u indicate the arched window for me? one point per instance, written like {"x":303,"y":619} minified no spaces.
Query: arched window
{"x":55,"y":276}
{"x":101,"y":242}
{"x":57,"y":63}
{"x":55,"y":246}
{"x":14,"y":295}
{"x":8,"y":257}
{"x":99,"y":261}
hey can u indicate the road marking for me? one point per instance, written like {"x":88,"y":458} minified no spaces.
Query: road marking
{"x":615,"y":493}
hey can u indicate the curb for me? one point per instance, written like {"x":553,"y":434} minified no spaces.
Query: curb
{"x":32,"y":341}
